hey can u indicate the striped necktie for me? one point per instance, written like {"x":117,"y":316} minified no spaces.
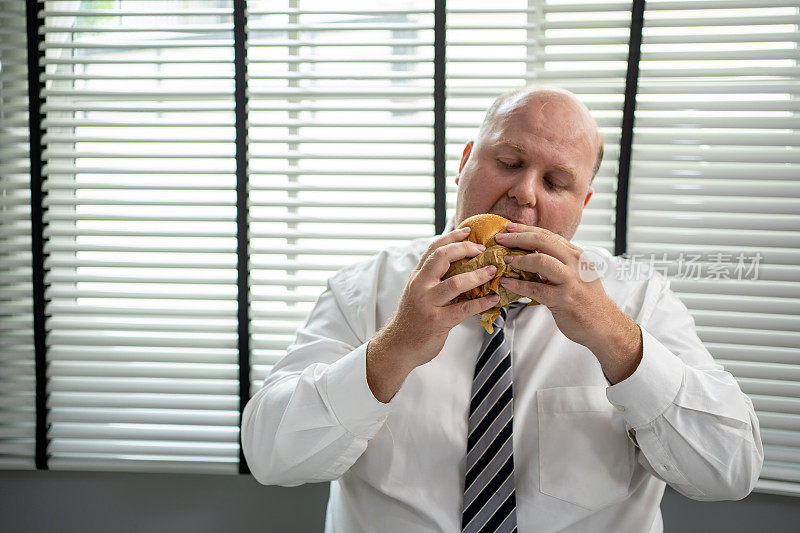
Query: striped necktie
{"x":489,"y":496}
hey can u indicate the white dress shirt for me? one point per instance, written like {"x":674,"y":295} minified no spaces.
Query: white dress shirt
{"x":588,"y":456}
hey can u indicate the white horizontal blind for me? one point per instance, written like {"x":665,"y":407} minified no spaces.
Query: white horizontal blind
{"x":714,"y":183}
{"x":141,"y":191}
{"x":141,"y":266}
{"x":17,"y":370}
{"x":582,"y":47}
{"x":341,"y":148}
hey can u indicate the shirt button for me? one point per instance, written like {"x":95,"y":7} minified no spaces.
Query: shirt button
{"x":665,"y":467}
{"x":619,"y":407}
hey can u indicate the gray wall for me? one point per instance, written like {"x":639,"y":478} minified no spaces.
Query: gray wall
{"x":86,"y":502}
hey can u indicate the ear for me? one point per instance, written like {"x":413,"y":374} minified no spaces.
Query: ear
{"x":464,"y":158}
{"x":588,"y":195}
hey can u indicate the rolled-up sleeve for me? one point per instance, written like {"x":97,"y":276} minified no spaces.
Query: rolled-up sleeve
{"x":315,"y":413}
{"x":694,"y":427}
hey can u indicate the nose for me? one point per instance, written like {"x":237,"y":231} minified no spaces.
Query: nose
{"x":525,"y":189}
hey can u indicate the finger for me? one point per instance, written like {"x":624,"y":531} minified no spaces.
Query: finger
{"x":447,"y":290}
{"x":438,"y":262}
{"x":543,"y":240}
{"x":447,"y":238}
{"x":457,"y":313}
{"x":513,"y":227}
{"x":545,"y":265}
{"x":544,"y":294}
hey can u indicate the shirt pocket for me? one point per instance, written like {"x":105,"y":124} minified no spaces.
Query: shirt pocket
{"x":585,"y":455}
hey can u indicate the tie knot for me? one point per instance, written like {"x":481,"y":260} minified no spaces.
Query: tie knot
{"x":504,"y":311}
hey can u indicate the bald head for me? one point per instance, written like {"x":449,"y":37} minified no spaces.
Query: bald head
{"x":511,"y":101}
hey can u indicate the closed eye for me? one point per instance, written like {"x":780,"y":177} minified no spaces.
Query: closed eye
{"x":548,"y":181}
{"x":551,"y":184}
{"x":509,"y":165}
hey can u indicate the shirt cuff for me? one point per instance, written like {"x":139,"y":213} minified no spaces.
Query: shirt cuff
{"x":351,"y":399}
{"x":652,"y":387}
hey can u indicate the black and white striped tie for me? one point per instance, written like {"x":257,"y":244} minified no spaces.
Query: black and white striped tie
{"x":489,"y":496}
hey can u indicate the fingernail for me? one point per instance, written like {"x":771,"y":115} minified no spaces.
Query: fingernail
{"x":465,"y":230}
{"x":481,"y":247}
{"x":508,"y":258}
{"x":500,"y":236}
{"x":491,"y":270}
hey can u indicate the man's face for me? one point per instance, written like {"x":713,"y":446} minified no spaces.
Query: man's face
{"x":532,"y":166}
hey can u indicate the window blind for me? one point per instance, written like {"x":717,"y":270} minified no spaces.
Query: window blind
{"x":140,"y":180}
{"x":715,"y":199}
{"x":141,"y":235}
{"x":17,"y":361}
{"x":341,"y":149}
{"x":582,"y":47}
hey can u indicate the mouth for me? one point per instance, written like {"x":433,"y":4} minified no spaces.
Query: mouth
{"x":517,"y":220}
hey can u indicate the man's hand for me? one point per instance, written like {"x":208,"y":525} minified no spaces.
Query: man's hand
{"x":417,"y":331}
{"x":581,"y":309}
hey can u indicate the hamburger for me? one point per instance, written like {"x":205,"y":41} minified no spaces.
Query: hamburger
{"x":483,"y":229}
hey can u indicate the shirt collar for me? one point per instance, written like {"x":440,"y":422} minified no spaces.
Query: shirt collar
{"x":450,"y":226}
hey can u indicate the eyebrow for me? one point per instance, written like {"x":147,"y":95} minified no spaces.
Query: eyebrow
{"x":514,"y":146}
{"x":561,"y":168}
{"x":567,"y":170}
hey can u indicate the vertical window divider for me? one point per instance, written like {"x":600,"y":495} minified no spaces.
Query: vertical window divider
{"x":242,"y":211}
{"x":35,"y":37}
{"x":439,"y":124}
{"x":628,"y":119}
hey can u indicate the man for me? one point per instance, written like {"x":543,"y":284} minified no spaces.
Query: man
{"x":614,"y":395}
